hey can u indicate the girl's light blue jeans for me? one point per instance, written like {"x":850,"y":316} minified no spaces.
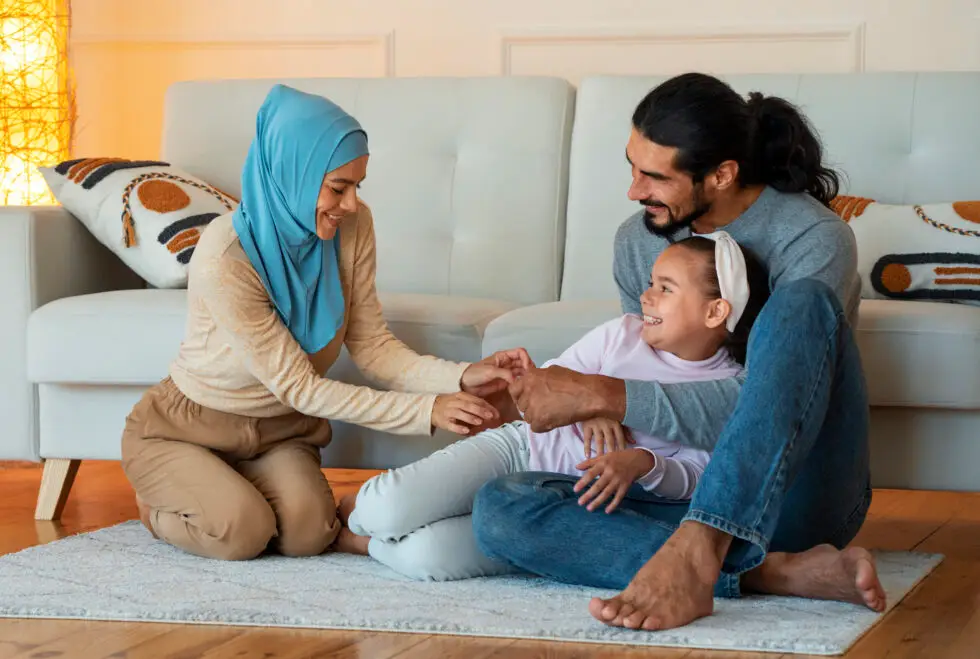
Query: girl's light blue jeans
{"x":418,"y":516}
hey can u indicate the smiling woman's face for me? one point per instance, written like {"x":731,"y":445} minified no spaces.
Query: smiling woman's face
{"x":338,"y":196}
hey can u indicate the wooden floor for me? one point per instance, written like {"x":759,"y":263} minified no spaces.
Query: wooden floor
{"x":941,"y":618}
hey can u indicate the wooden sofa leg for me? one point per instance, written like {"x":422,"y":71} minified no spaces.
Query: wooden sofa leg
{"x":56,"y":481}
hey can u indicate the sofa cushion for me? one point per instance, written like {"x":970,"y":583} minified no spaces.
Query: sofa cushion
{"x":928,"y":252}
{"x":148,"y":213}
{"x":130,"y":337}
{"x":920,"y":353}
{"x":118,"y":337}
{"x":914,"y":353}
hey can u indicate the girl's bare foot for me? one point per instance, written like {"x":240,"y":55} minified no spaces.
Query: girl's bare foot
{"x":349,"y":542}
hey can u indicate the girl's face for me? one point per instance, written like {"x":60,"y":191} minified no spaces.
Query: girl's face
{"x":678,"y":317}
{"x":338,"y":196}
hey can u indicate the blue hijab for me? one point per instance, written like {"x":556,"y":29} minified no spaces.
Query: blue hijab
{"x":299,"y":138}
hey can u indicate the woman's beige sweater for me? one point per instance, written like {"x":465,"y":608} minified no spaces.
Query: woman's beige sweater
{"x":239,"y":357}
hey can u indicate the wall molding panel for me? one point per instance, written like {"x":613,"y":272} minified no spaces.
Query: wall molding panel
{"x":588,"y":52}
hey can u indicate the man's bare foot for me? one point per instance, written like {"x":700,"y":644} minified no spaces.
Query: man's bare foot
{"x":349,"y":542}
{"x":144,"y":511}
{"x":675,"y":587}
{"x":346,"y":507}
{"x":821,"y":573}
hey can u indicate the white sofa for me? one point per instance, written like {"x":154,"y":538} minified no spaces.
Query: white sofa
{"x":495,"y":201}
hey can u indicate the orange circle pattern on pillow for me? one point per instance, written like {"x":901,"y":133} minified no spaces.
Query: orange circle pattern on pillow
{"x":968,"y":210}
{"x":162,"y":196}
{"x":896,"y":277}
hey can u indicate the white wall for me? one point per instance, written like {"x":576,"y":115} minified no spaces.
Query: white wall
{"x":126,"y":52}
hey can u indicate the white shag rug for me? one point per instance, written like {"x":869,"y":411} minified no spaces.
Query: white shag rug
{"x":122,"y":574}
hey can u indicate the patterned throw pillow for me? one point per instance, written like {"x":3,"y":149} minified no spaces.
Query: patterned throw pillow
{"x":927,"y":252}
{"x":148,"y":213}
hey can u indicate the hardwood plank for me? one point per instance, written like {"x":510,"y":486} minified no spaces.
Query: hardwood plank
{"x":302,"y":643}
{"x":959,"y":537}
{"x":351,"y":645}
{"x":19,"y":464}
{"x":92,"y":639}
{"x":967,"y":643}
{"x":178,"y":641}
{"x":899,"y":520}
{"x":554,"y":650}
{"x":445,"y":647}
{"x":22,"y":637}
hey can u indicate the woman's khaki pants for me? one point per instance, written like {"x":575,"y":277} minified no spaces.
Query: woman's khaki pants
{"x":226,"y":486}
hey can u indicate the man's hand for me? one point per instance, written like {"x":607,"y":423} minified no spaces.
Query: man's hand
{"x":493,"y":374}
{"x":608,"y":435}
{"x":553,"y":397}
{"x":613,"y":474}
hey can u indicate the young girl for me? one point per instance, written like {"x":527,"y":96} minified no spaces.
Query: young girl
{"x":705,"y":292}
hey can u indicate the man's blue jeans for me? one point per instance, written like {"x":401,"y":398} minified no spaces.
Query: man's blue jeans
{"x":790,"y":470}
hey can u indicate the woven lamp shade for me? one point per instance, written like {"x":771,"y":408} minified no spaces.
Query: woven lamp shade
{"x":36,"y":101}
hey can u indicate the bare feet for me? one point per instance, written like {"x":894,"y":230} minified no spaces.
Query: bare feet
{"x":821,"y":573}
{"x":144,"y":511}
{"x":675,"y":587}
{"x":349,"y":542}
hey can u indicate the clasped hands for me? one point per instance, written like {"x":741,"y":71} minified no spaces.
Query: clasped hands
{"x":507,"y":386}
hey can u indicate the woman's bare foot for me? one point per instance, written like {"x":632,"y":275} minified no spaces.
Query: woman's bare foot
{"x":346,"y":507}
{"x":674,"y":588}
{"x":144,"y":511}
{"x":349,"y":542}
{"x":821,"y":573}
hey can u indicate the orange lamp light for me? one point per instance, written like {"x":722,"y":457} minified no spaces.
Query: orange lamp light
{"x":36,"y":102}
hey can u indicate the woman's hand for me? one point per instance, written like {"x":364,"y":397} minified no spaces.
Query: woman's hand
{"x":609,"y":436}
{"x":462,"y":412}
{"x":613,"y":474}
{"x":495,"y":373}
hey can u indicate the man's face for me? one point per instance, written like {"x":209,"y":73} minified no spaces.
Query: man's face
{"x":670,"y":197}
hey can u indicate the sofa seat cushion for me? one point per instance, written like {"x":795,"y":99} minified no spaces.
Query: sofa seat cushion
{"x":130,"y":337}
{"x":920,"y":354}
{"x":116,"y":337}
{"x":915,"y":354}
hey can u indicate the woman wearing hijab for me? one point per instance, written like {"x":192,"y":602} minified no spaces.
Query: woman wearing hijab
{"x":224,"y":453}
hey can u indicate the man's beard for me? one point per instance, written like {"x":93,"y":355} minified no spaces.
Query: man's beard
{"x":674,"y":225}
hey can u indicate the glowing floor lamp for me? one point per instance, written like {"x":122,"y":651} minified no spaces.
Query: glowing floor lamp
{"x":36,"y":101}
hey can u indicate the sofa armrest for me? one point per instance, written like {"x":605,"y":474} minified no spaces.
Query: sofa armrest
{"x":45,"y":254}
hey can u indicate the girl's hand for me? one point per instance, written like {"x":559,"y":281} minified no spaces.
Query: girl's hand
{"x":462,"y":412}
{"x":609,"y":436}
{"x":493,"y":374}
{"x":613,"y":474}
